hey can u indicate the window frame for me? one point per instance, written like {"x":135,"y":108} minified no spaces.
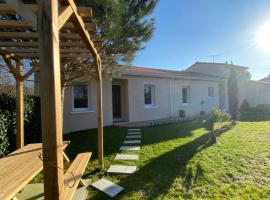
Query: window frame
{"x":209,"y":92}
{"x":188,"y":103}
{"x":153,"y":96}
{"x":86,"y":109}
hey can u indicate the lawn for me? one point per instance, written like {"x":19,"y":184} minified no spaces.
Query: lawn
{"x":177,"y":162}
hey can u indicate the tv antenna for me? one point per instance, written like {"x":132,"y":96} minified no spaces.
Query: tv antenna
{"x":214,"y":56}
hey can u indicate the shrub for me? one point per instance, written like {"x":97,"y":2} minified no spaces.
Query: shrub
{"x":262,"y":108}
{"x":244,"y":106}
{"x":216,"y":115}
{"x":3,"y":135}
{"x":32,"y":122}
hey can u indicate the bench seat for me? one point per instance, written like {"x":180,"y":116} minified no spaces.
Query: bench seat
{"x":74,"y":174}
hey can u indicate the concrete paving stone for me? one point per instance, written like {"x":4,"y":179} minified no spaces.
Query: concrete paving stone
{"x":134,"y":129}
{"x":108,"y":187}
{"x":132,"y":142}
{"x":134,"y":133}
{"x":126,"y":157}
{"x":133,"y":136}
{"x":122,"y":169}
{"x":130,"y":148}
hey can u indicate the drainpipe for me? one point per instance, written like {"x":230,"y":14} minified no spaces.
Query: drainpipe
{"x":170,"y":88}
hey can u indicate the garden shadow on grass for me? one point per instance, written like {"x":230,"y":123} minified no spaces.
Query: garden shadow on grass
{"x":164,"y":133}
{"x":154,"y":179}
{"x":82,"y":141}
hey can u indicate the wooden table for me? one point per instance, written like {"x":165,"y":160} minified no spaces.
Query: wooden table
{"x":19,"y":168}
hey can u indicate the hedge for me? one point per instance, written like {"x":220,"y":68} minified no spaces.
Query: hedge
{"x":32,"y":122}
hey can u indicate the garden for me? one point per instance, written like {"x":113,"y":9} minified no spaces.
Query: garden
{"x":177,"y":161}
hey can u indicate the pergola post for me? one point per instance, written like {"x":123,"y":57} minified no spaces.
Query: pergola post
{"x":50,"y":92}
{"x":19,"y":106}
{"x":100,"y":114}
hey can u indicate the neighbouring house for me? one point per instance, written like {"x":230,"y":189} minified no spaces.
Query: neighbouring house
{"x":255,"y":92}
{"x":143,"y":94}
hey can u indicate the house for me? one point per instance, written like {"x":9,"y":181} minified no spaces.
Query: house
{"x":255,"y":92}
{"x":143,"y":94}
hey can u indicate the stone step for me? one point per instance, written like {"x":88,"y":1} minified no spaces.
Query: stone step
{"x":122,"y":169}
{"x":126,"y":157}
{"x":134,"y":129}
{"x":132,"y":142}
{"x":133,"y":136}
{"x":130,"y":148}
{"x":108,"y":187}
{"x":134,"y":133}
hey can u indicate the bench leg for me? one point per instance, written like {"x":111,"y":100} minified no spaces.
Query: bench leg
{"x":66,"y":159}
{"x":82,"y":183}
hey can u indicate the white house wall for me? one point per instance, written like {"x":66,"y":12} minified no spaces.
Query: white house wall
{"x":74,"y":121}
{"x":198,"y":93}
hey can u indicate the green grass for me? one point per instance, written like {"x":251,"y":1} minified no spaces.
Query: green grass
{"x":177,"y":162}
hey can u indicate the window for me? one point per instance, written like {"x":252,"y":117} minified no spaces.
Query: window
{"x":80,"y":97}
{"x":186,"y":95}
{"x":149,"y":95}
{"x":211,"y":92}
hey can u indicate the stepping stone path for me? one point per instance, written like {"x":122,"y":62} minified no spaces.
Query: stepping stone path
{"x":126,"y":157}
{"x":110,"y":188}
{"x":130,"y":148}
{"x":133,"y":136}
{"x":132,"y":142}
{"x":107,"y":187}
{"x":122,"y":169}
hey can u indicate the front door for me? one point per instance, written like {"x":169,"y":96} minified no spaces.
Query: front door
{"x":116,"y":96}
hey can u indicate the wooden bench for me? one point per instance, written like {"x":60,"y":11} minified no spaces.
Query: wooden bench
{"x":19,"y":168}
{"x":74,"y":174}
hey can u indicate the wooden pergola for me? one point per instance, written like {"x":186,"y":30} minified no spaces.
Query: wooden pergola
{"x":59,"y":31}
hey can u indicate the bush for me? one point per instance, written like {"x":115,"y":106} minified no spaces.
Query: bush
{"x":32,"y":122}
{"x":216,"y":115}
{"x":244,"y":106}
{"x":262,"y":108}
{"x":3,"y":135}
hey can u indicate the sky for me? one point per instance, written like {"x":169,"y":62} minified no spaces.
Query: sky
{"x":188,"y":31}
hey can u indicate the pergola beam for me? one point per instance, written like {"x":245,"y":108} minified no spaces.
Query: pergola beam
{"x":36,"y":44}
{"x":64,"y":16}
{"x":24,"y":12}
{"x":6,"y":9}
{"x":63,"y":51}
{"x":25,"y":25}
{"x":34,"y":36}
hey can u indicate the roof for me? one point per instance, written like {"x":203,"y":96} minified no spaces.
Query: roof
{"x":266,"y":79}
{"x":151,"y":72}
{"x":223,"y":65}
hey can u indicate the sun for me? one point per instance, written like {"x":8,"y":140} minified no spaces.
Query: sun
{"x":263,"y":37}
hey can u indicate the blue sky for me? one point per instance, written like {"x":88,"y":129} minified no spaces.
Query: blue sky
{"x":191,"y":30}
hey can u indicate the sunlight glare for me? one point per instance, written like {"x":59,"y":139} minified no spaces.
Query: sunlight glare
{"x":263,"y":37}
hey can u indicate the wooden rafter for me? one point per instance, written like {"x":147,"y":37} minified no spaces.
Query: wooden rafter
{"x":24,"y":12}
{"x":24,"y":25}
{"x":6,"y":9}
{"x":63,"y":50}
{"x":35,"y":44}
{"x":34,"y":36}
